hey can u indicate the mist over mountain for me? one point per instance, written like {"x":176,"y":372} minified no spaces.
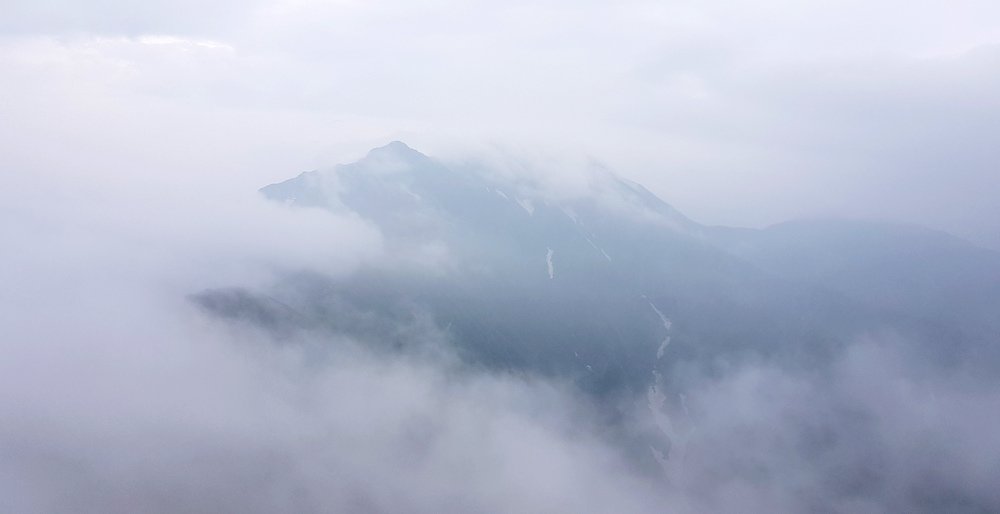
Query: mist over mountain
{"x":408,"y":333}
{"x":508,"y":263}
{"x":639,"y":256}
{"x":730,"y":365}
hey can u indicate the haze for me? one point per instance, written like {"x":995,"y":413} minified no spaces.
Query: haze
{"x":429,"y":256}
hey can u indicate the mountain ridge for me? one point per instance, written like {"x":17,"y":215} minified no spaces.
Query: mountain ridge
{"x":624,"y":248}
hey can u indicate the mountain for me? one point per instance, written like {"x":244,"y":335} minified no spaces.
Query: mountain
{"x":640,"y":308}
{"x":609,"y":287}
{"x":581,"y":287}
{"x":950,"y":286}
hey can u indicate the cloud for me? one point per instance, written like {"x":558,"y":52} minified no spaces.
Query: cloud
{"x":200,"y":425}
{"x":135,"y":137}
{"x":119,"y":396}
{"x":875,"y":434}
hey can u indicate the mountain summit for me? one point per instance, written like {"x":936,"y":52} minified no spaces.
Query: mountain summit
{"x":590,"y":286}
{"x":396,"y":150}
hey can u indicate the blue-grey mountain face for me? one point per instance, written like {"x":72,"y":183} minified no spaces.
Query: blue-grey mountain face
{"x":583,"y":287}
{"x":589,"y":288}
{"x":622,"y":295}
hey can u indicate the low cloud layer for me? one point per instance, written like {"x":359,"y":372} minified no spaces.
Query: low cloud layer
{"x":203,"y":425}
{"x":876,"y":435}
{"x":121,"y":396}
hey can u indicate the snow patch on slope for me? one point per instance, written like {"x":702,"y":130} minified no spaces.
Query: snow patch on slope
{"x":527,"y":206}
{"x":666,"y":324}
{"x":571,"y":214}
{"x":599,"y":249}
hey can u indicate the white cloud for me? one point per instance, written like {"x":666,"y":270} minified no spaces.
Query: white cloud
{"x":119,"y":397}
{"x":875,"y":434}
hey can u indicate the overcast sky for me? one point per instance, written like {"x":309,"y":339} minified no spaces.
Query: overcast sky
{"x":737,"y":112}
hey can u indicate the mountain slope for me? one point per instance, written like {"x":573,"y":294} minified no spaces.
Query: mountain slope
{"x":768,"y":358}
{"x":941,"y":280}
{"x":587,"y":287}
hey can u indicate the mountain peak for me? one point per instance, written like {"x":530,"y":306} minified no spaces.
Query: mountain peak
{"x":398,"y":150}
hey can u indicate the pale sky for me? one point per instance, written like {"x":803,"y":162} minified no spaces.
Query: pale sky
{"x":737,"y":112}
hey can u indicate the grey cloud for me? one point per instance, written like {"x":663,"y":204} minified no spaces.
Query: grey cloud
{"x":220,"y":428}
{"x":875,"y":435}
{"x":119,"y":398}
{"x":119,"y":395}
